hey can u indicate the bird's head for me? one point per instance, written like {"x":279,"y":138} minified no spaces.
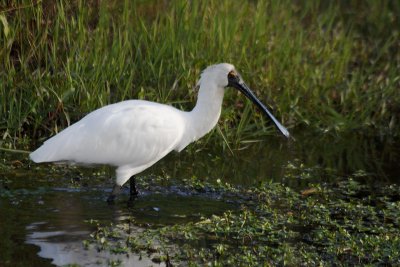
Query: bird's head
{"x":224,"y":75}
{"x":217,"y":74}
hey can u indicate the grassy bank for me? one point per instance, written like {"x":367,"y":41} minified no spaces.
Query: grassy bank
{"x":328,"y":67}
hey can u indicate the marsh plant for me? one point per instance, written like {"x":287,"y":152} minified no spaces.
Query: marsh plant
{"x":328,"y":66}
{"x":274,"y":225}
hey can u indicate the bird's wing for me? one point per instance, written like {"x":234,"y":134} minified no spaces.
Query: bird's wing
{"x":130,"y":132}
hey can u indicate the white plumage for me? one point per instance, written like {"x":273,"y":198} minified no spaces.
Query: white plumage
{"x":134,"y":134}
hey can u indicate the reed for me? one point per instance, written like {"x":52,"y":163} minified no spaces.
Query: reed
{"x":330,"y":67}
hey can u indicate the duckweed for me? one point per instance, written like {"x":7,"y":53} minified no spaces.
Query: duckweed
{"x":346,"y":223}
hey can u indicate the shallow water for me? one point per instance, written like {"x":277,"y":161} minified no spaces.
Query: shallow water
{"x":51,"y":223}
{"x":277,"y":159}
{"x":44,"y":210}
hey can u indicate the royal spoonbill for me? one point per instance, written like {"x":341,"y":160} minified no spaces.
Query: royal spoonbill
{"x":132,"y":135}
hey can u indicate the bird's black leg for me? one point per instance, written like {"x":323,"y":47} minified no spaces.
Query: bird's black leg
{"x":116,"y":190}
{"x":132,"y":188}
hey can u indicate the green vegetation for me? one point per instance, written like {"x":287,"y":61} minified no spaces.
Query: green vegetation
{"x":348,"y":224}
{"x":330,"y":67}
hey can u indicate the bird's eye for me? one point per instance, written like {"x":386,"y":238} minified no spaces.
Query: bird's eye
{"x":232,"y":74}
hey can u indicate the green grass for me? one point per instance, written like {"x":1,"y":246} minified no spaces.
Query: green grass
{"x":329,"y":67}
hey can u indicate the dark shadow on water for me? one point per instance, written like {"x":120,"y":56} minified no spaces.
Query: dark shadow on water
{"x":278,"y":160}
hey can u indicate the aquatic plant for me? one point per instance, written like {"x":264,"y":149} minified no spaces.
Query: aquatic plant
{"x":345,"y":224}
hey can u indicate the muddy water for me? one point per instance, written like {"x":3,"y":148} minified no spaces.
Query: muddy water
{"x":44,"y":210}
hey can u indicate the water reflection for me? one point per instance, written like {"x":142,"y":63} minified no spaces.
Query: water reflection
{"x":65,"y":247}
{"x":55,"y":221}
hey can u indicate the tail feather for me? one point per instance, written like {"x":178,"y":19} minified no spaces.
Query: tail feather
{"x":51,"y":150}
{"x":42,"y":155}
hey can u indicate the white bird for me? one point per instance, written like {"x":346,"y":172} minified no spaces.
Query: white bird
{"x":134,"y":134}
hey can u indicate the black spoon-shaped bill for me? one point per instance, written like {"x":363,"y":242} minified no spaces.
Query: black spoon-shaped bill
{"x":234,"y":80}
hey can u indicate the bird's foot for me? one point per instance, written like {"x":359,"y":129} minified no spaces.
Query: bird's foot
{"x":132,"y":188}
{"x":133,"y":195}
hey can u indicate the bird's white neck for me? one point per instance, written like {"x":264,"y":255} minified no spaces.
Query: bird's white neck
{"x":205,"y":114}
